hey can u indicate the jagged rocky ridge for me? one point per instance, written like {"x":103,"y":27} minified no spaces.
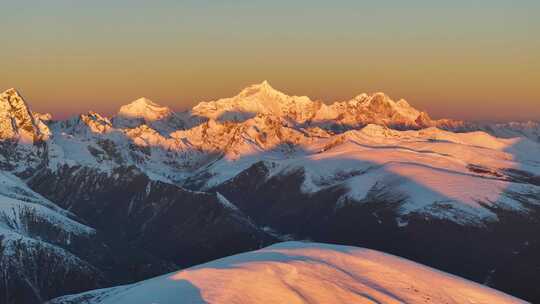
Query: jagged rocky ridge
{"x":238,"y":173}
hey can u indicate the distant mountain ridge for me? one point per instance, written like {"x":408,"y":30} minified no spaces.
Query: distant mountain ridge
{"x":263,"y":99}
{"x":364,"y":109}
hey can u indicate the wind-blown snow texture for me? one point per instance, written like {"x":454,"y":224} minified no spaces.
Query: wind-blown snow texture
{"x":295,"y":272}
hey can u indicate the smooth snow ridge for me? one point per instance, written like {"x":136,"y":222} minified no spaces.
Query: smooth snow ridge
{"x":296,"y":272}
{"x":144,"y":108}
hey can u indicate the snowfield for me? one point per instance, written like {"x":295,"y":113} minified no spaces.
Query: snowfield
{"x":297,"y":272}
{"x":424,"y":169}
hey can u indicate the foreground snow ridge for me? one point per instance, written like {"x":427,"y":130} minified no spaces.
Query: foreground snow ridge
{"x":297,"y":272}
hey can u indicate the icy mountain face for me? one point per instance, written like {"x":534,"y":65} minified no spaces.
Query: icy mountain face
{"x":257,"y":99}
{"x":297,"y":272}
{"x":87,"y":124}
{"x":22,"y":133}
{"x":143,"y":111}
{"x":17,"y":123}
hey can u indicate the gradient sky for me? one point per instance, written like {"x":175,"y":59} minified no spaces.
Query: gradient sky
{"x":460,"y":59}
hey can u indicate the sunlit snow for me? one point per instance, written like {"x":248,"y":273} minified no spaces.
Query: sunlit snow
{"x":295,"y":272}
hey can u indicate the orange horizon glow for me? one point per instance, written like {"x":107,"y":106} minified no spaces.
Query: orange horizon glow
{"x":67,"y":58}
{"x":440,"y":108}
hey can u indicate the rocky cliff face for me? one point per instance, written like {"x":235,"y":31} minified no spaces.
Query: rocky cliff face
{"x":177,"y":225}
{"x":17,"y":122}
{"x":22,"y":133}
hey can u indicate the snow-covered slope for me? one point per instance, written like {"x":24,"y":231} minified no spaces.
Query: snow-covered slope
{"x":37,"y":245}
{"x":295,"y":272}
{"x":145,"y":111}
{"x":425,"y":170}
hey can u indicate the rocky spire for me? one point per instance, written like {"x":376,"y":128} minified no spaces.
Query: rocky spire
{"x":16,"y":119}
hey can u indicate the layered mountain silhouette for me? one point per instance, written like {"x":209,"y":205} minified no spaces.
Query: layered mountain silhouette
{"x":119,"y":199}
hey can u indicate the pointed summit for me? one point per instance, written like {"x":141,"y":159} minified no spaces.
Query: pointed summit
{"x":14,"y":98}
{"x":11,"y":100}
{"x":144,"y":108}
{"x":11,"y":91}
{"x":90,"y":122}
{"x":16,"y":119}
{"x":143,"y":101}
{"x":256,"y":99}
{"x":423,"y":120}
{"x":144,"y":111}
{"x":263,"y":88}
{"x":96,"y":122}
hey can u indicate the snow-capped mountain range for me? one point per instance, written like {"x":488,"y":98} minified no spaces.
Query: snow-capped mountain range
{"x":238,"y":173}
{"x":370,"y":141}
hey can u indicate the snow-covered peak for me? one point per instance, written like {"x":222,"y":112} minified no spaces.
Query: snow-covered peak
{"x":10,"y":91}
{"x":382,"y":105}
{"x":16,"y":119}
{"x":256,"y":99}
{"x":144,"y":108}
{"x":44,"y":117}
{"x":377,"y":108}
{"x":263,"y":88}
{"x":144,"y":111}
{"x":90,"y":122}
{"x":12,"y":98}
